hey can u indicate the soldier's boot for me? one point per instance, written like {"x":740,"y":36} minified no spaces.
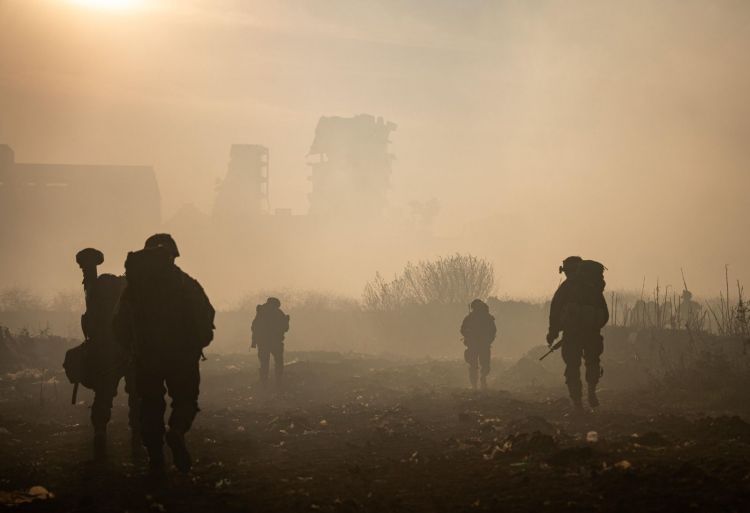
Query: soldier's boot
{"x":593,"y":399}
{"x":594,"y":372}
{"x":473,"y":377}
{"x":156,"y":468}
{"x":180,"y":455}
{"x":263,"y":377}
{"x":574,"y":390}
{"x":100,"y":443}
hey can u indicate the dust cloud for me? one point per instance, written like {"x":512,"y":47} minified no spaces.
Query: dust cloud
{"x":525,"y":132}
{"x":374,"y":198}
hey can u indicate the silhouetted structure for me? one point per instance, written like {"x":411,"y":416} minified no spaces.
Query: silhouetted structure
{"x":351,"y":175}
{"x":53,"y":208}
{"x":243,"y":194}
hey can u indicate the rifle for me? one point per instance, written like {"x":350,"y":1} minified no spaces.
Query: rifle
{"x":552,"y":349}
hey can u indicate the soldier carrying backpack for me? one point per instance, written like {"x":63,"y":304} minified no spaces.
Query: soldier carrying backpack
{"x":479,"y":331}
{"x":268,"y":329}
{"x":164,"y":320}
{"x":99,"y":363}
{"x":579,"y":310}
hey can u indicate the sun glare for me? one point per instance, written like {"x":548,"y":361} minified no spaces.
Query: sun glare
{"x":108,"y":4}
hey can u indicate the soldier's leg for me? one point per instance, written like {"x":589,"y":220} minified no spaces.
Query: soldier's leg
{"x":150,"y":385}
{"x":571,"y":354}
{"x":134,"y":411}
{"x":592,"y":351}
{"x":278,"y":360}
{"x":472,"y":358}
{"x":101,"y":413}
{"x":183,"y":384}
{"x":264,"y":357}
{"x":484,"y":357}
{"x":101,"y":408}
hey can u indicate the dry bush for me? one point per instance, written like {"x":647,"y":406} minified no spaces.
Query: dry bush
{"x":453,"y":280}
{"x":420,"y":310}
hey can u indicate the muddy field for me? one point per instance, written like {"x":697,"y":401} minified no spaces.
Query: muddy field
{"x":354,"y":433}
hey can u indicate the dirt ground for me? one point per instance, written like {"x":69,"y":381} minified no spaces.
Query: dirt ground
{"x":353,"y":433}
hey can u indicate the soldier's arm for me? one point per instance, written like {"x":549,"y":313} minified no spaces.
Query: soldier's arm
{"x":203,"y":298}
{"x":605,"y":310}
{"x":85,"y":326}
{"x":253,"y":331}
{"x":493,"y":329}
{"x":555,"y":311}
{"x":465,"y":326}
{"x":93,"y":311}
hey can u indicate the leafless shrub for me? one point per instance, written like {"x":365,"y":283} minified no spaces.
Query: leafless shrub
{"x":731,"y":318}
{"x":448,"y":281}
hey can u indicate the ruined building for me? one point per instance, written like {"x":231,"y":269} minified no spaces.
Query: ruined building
{"x":49,"y":211}
{"x":52,"y":210}
{"x":351,"y":167}
{"x":243,"y":194}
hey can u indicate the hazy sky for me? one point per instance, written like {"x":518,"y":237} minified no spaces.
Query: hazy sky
{"x":619,"y":130}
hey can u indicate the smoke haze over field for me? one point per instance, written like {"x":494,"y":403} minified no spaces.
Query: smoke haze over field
{"x":615,"y":130}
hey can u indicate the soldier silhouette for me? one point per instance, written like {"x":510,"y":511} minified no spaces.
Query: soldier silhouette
{"x":106,"y":363}
{"x":479,"y":331}
{"x":165,"y":320}
{"x":268,"y":331}
{"x":579,"y":310}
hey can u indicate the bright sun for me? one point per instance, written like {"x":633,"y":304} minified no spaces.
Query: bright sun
{"x":108,"y":4}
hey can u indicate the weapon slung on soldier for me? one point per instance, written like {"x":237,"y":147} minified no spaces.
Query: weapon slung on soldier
{"x":552,"y":349}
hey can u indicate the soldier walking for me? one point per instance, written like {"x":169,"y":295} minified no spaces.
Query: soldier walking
{"x":479,"y":331}
{"x":165,"y":320}
{"x":106,"y":363}
{"x":579,"y":310}
{"x":268,"y":331}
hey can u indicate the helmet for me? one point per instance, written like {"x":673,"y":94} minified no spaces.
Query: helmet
{"x":273,"y":302}
{"x":570,"y":264}
{"x":478,"y":304}
{"x":162,"y":240}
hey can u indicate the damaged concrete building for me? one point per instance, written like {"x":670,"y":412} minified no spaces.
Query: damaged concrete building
{"x":243,"y":194}
{"x":351,"y":166}
{"x":351,"y":169}
{"x":48,"y":210}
